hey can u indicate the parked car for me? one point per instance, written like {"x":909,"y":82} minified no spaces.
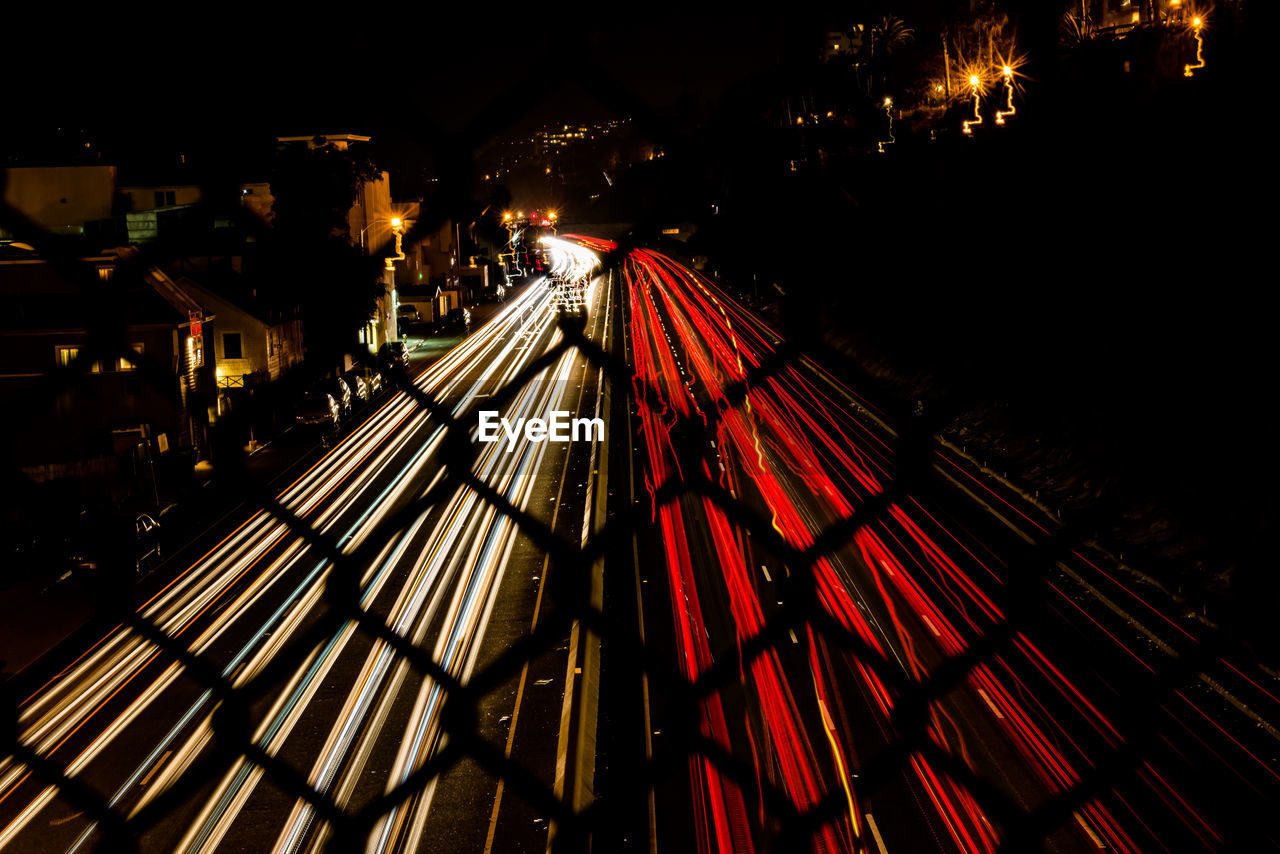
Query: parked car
{"x":318,"y":410}
{"x":408,"y":313}
{"x":457,"y":320}
{"x":393,"y":356}
{"x":147,"y":553}
{"x":341,"y":393}
{"x":494,"y":293}
{"x":358,"y":387}
{"x":372,"y":379}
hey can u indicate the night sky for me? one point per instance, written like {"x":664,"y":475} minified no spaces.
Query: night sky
{"x":146,"y":87}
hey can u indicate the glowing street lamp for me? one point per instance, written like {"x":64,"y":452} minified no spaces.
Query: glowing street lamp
{"x":394,"y":222}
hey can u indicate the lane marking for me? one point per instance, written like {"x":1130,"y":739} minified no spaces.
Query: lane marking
{"x":875,"y":832}
{"x":155,"y":768}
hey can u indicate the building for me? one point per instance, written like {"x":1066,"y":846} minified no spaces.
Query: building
{"x":842,"y":45}
{"x":90,"y":200}
{"x":1122,"y":15}
{"x":431,"y":257}
{"x":255,"y":343}
{"x":148,"y":208}
{"x":61,"y":199}
{"x":112,"y":420}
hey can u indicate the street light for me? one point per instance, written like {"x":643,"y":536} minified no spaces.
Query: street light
{"x":395,"y":222}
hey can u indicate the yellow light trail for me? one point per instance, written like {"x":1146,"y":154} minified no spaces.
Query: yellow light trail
{"x":888,"y":111}
{"x":1197,"y":28}
{"x":1010,"y":109}
{"x":69,"y":701}
{"x":975,"y":88}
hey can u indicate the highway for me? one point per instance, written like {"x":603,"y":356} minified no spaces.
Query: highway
{"x":348,"y":715}
{"x":1062,"y":687}
{"x":916,"y":587}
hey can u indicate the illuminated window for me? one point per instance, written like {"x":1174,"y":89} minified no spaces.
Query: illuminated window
{"x":65,"y":357}
{"x":195,"y":351}
{"x":125,"y":364}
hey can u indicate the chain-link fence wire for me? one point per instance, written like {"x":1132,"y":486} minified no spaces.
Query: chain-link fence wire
{"x":1022,"y":598}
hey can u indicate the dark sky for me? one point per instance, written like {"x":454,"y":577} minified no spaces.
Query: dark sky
{"x":223,"y":84}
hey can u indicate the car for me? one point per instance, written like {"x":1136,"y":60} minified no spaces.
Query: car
{"x":147,"y":535}
{"x":494,"y":293}
{"x":341,"y":393}
{"x":457,"y":320}
{"x":358,"y":387}
{"x":408,"y":313}
{"x":372,"y":380}
{"x":393,"y":356}
{"x":318,"y":409}
{"x":101,"y":540}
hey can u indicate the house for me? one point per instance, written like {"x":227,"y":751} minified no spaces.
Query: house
{"x":79,"y":407}
{"x":155,"y":208}
{"x":256,"y":342}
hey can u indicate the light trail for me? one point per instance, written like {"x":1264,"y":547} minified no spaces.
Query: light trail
{"x":1197,"y":30}
{"x":1006,"y":74}
{"x":233,"y":581}
{"x":975,"y":90}
{"x":801,"y":454}
{"x":888,"y":114}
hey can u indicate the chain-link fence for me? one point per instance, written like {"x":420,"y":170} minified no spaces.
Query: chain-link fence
{"x":1021,"y":597}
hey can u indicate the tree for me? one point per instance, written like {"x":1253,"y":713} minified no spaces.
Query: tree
{"x":311,"y":260}
{"x":886,"y":36}
{"x":890,"y":34}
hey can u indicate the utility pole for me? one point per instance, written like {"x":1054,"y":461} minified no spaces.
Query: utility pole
{"x":946,"y":58}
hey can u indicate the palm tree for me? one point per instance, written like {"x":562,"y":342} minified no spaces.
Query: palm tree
{"x":1075,"y":30}
{"x":889,"y":34}
{"x":886,"y":36}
